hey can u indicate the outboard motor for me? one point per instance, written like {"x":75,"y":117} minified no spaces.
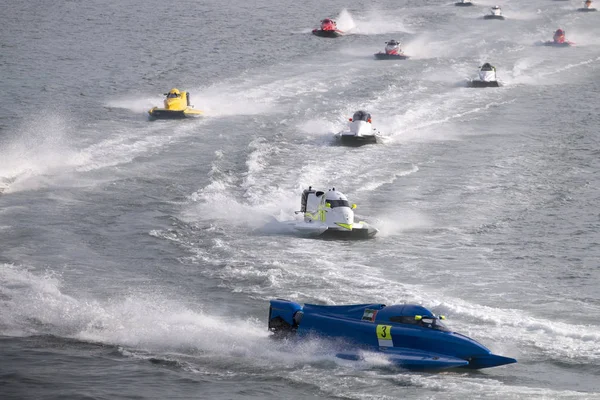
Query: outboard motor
{"x":392,"y":47}
{"x":487,"y":72}
{"x":304,"y":198}
{"x":284,"y":317}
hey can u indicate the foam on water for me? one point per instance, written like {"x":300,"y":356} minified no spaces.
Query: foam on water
{"x":137,"y":103}
{"x":425,"y":46}
{"x":43,"y":150}
{"x":378,"y":23}
{"x":35,"y":304}
{"x":41,"y":146}
{"x":344,"y":21}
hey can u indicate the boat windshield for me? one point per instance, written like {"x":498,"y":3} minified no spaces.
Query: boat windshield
{"x":424,"y":322}
{"x":173,"y":95}
{"x":338,"y":203}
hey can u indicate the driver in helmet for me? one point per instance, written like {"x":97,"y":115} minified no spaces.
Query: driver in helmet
{"x":559,"y":36}
{"x":328,"y":25}
{"x":173,"y":93}
{"x":392,"y":47}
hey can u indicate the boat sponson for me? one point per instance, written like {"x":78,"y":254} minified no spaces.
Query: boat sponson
{"x":356,"y":233}
{"x":483,"y":84}
{"x":493,"y":17}
{"x":352,"y":140}
{"x":554,"y":44}
{"x":162,"y":113}
{"x":384,"y":56}
{"x":326,"y":34}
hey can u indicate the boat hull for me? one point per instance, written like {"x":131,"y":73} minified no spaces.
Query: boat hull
{"x":308,"y":229}
{"x":459,"y":4}
{"x":554,"y":44}
{"x":319,"y":230}
{"x":384,"y":56}
{"x":326,"y":34}
{"x":483,"y":84}
{"x":354,"y":234}
{"x":163,"y":113}
{"x":384,"y":329}
{"x":499,"y":17}
{"x":356,"y":141}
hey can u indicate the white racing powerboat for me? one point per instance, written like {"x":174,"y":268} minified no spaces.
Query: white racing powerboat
{"x":392,"y":52}
{"x":487,"y":77}
{"x":328,"y":214}
{"x":463,"y":3}
{"x":587,"y":7}
{"x":495,"y":13}
{"x":360,"y":131}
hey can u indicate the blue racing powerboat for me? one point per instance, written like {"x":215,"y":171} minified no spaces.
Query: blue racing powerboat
{"x":409,"y":335}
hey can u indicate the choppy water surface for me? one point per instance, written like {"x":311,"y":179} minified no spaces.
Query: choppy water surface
{"x":137,"y":258}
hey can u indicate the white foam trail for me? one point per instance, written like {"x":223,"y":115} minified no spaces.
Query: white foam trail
{"x":424,"y":115}
{"x":396,"y":222}
{"x":365,"y":384}
{"x":253,"y":201}
{"x":317,"y":127}
{"x":124,"y":146}
{"x":344,"y":21}
{"x":568,"y":67}
{"x":374,"y":23}
{"x":462,"y":383}
{"x":521,"y":68}
{"x":34,"y":304}
{"x":224,"y":100}
{"x":42,"y":150}
{"x":373,"y":183}
{"x":521,"y":15}
{"x":583,"y":37}
{"x":41,"y":146}
{"x":138,"y":103}
{"x":424,"y":46}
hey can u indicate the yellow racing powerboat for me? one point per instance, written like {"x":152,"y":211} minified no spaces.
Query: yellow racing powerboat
{"x":177,"y":106}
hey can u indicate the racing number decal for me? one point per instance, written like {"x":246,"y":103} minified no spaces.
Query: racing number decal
{"x":384,"y":335}
{"x":383,"y":331}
